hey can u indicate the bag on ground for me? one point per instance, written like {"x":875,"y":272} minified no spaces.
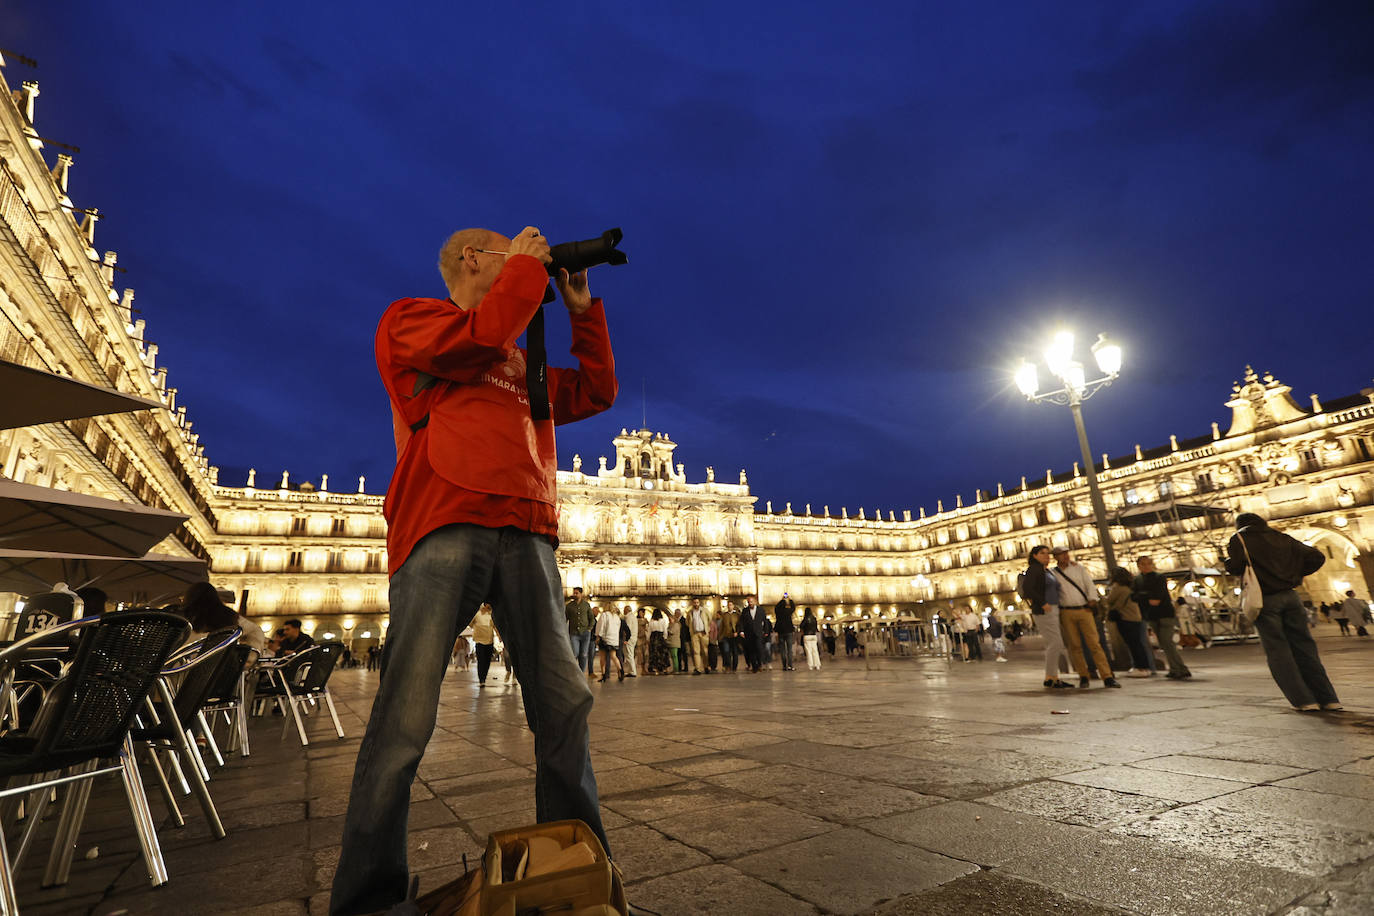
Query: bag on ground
{"x":558,"y":867}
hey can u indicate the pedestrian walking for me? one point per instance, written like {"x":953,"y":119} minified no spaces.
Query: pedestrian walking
{"x":484,"y":635}
{"x":629,"y":641}
{"x":999,"y":642}
{"x":1343,"y":611}
{"x":811,"y":639}
{"x":1281,"y":563}
{"x":608,"y":624}
{"x":578,"y":611}
{"x":784,"y":624}
{"x":698,"y":627}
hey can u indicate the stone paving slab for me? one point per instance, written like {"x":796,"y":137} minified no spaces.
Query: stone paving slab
{"x":849,"y":871}
{"x":874,"y":786}
{"x":986,"y":893}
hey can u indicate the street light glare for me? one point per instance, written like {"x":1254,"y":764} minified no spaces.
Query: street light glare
{"x":1059,"y":352}
{"x":1075,"y":379}
{"x":1027,"y":378}
{"x":1108,"y":355}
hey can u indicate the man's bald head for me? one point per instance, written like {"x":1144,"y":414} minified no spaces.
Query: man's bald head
{"x":460,"y":263}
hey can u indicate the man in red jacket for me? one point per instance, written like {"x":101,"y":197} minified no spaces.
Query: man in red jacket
{"x":472,"y":516}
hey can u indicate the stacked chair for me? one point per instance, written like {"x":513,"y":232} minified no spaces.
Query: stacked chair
{"x":80,"y":729}
{"x":166,"y":730}
{"x":79,"y":698}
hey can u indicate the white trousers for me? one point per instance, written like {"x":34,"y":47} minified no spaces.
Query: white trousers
{"x":630,"y":666}
{"x":813,"y":655}
{"x":1048,"y":625}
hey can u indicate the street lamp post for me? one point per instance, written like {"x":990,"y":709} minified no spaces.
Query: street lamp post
{"x":1076,"y":389}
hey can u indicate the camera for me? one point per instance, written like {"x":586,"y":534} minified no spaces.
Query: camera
{"x":575,"y":256}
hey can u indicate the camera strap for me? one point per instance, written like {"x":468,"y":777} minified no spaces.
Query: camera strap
{"x":537,"y":367}
{"x":536,"y":374}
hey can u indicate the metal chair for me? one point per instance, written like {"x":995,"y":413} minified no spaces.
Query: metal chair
{"x":300,"y":681}
{"x":167,"y":727}
{"x":81,"y":731}
{"x":226,"y":698}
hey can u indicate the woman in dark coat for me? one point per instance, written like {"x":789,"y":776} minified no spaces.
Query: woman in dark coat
{"x":658,"y":642}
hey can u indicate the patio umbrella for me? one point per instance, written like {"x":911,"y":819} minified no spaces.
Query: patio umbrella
{"x":146,"y":578}
{"x":34,"y":396}
{"x":40,"y":518}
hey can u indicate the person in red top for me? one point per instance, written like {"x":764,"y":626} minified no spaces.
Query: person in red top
{"x":472,"y":516}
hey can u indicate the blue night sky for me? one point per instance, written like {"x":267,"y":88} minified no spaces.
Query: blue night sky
{"x":844,"y":221}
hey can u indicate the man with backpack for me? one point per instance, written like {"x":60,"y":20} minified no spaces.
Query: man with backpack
{"x":1280,"y":563}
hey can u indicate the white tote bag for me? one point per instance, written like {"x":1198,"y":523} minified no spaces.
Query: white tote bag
{"x":1251,"y":600}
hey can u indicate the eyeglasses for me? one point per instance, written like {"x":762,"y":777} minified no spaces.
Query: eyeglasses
{"x":490,"y":251}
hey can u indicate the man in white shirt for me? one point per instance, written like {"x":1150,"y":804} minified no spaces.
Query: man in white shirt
{"x":608,"y":641}
{"x":972,"y":627}
{"x":697,"y":623}
{"x":1352,"y":608}
{"x":1078,"y":597}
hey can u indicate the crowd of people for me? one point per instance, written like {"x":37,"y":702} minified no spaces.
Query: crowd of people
{"x":654,"y":642}
{"x":1093,"y":633}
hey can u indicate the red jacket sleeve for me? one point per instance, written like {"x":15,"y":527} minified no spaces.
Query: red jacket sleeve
{"x":575,"y":394}
{"x":437,"y":338}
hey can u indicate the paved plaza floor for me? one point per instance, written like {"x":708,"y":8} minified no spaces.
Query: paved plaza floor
{"x":897,"y":786}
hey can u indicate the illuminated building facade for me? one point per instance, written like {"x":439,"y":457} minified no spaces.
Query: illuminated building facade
{"x":634,"y":530}
{"x":60,"y":312}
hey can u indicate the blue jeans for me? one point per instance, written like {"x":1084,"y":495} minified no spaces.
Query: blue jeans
{"x":433,"y":597}
{"x":1291,"y":652}
{"x":727,"y":653}
{"x":582,"y":649}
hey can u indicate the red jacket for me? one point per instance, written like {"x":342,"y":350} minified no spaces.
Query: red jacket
{"x":481,"y":459}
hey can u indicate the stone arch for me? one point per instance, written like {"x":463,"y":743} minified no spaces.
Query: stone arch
{"x":1348,"y":566}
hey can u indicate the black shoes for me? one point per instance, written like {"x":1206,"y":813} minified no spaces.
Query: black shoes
{"x":1058,"y":685}
{"x":1083,"y":683}
{"x":1111,"y":682}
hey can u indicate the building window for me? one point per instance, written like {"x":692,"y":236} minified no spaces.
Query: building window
{"x":1166,"y":489}
{"x":293,"y":562}
{"x":1309,"y":460}
{"x":338,"y":527}
{"x":1132,"y":496}
{"x":1247,"y":474}
{"x":254,"y":561}
{"x":335,"y":561}
{"x":298,"y":525}
{"x":1363,"y":446}
{"x":1204,"y":483}
{"x":374,"y":562}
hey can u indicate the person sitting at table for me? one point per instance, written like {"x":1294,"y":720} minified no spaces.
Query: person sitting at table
{"x":93,"y":601}
{"x":293,"y":639}
{"x":202,"y":606}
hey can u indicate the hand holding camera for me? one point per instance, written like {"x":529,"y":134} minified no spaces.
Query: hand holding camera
{"x":531,"y":242}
